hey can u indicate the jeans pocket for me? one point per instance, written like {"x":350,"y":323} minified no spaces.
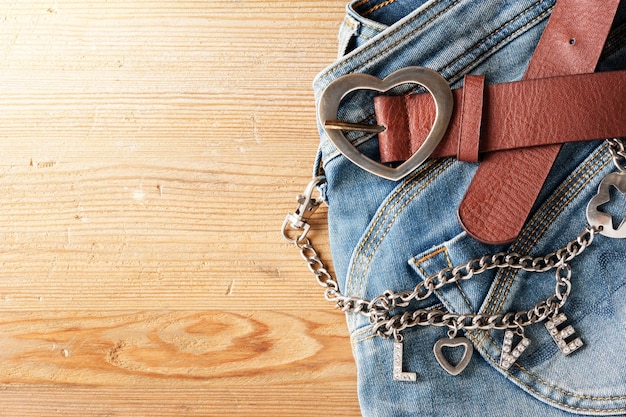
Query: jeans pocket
{"x":590,"y":379}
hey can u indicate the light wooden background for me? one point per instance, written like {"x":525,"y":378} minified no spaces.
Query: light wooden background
{"x":149,"y":151}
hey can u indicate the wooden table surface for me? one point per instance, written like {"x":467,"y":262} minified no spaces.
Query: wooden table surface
{"x":149,"y":152}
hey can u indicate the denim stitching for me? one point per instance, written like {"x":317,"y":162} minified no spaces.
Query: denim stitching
{"x":391,"y":33}
{"x":614,"y":48}
{"x":366,"y":24}
{"x":493,"y":360}
{"x":458,"y":285}
{"x":383,"y":210}
{"x":346,"y":62}
{"x":590,"y":169}
{"x":477,"y":342}
{"x":512,"y":274}
{"x":561,"y":390}
{"x":360,"y":3}
{"x":378,"y":7}
{"x":355,"y":338}
{"x":616,"y":35}
{"x":540,"y":233}
{"x":372,"y":250}
{"x":351,"y":22}
{"x":457,"y":76}
{"x":524,"y":28}
{"x":374,"y":222}
{"x":426,"y":257}
{"x":469,"y":305}
{"x":599,"y":159}
{"x":553,"y":202}
{"x":370,"y":26}
{"x":355,"y":342}
{"x":404,"y":38}
{"x":540,"y":380}
{"x":367,"y":38}
{"x":444,"y":250}
{"x":505,"y":24}
{"x":391,"y":200}
{"x":361,"y":332}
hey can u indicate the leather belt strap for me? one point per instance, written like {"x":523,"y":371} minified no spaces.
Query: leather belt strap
{"x":506,"y":116}
{"x":499,"y":199}
{"x":571,"y":44}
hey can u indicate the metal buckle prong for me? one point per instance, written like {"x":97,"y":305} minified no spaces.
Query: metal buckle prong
{"x":347,"y":126}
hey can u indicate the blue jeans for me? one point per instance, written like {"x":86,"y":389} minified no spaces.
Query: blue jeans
{"x":390,"y":235}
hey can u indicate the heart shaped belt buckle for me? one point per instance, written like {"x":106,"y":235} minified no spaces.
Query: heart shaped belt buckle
{"x":337,"y":90}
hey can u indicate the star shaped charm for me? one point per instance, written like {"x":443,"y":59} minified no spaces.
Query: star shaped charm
{"x":600,"y":219}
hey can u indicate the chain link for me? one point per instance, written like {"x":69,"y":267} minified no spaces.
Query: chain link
{"x":378,"y":310}
{"x":424,"y":289}
{"x":617,"y":147}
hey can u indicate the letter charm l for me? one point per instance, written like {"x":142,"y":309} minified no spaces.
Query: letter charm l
{"x":398,"y":374}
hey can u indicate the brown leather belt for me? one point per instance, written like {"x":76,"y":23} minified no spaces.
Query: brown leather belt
{"x":550,"y":106}
{"x":506,"y":116}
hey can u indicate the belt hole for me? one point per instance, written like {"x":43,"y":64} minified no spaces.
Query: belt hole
{"x":572,"y":41}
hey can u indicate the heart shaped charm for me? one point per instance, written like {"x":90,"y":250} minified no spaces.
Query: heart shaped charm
{"x":452,"y":343}
{"x":436,"y":85}
{"x":597,"y":218}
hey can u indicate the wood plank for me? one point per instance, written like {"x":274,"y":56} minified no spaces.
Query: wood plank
{"x":270,"y":400}
{"x":164,"y":179}
{"x":175,"y":348}
{"x":150,"y":237}
{"x":149,"y":151}
{"x":175,"y":363}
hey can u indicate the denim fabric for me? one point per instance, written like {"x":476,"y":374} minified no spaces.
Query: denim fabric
{"x":390,"y":235}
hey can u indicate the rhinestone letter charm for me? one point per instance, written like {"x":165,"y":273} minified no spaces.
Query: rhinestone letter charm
{"x":398,"y":374}
{"x":559,"y":336}
{"x":599,"y":219}
{"x":509,"y":354}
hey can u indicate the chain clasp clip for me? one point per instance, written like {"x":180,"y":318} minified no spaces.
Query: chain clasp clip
{"x":307,"y":205}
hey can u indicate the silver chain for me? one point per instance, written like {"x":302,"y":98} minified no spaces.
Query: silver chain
{"x":378,"y":310}
{"x":617,"y":147}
